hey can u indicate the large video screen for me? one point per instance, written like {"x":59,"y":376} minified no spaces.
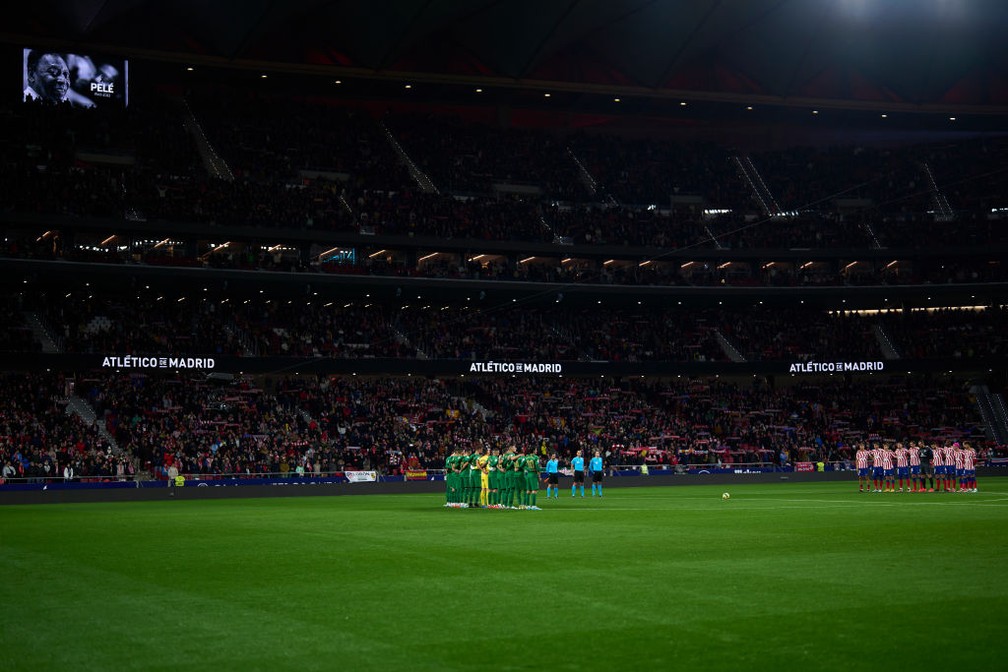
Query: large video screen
{"x":81,"y":80}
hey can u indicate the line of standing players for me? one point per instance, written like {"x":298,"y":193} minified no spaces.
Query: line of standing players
{"x":490,"y":479}
{"x":916,"y":467}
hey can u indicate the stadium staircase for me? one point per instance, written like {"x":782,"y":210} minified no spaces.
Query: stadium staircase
{"x":80,"y":407}
{"x":1001,"y":415}
{"x":871,"y":235}
{"x":402,"y":339}
{"x":50,"y":344}
{"x":587,"y":180}
{"x":422,"y":179}
{"x":248,"y":344}
{"x":726,"y":346}
{"x":943,"y":211}
{"x":761,"y":192}
{"x":476,"y":397}
{"x":993,"y":412}
{"x":557,"y":238}
{"x":215,"y":165}
{"x":472,"y":406}
{"x":712,"y":237}
{"x":888,"y":349}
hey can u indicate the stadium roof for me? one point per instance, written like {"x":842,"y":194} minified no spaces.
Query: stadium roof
{"x":898,"y":54}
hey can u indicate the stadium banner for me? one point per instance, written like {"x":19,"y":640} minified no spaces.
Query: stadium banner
{"x":416,"y":474}
{"x":81,"y":80}
{"x":166,"y":363}
{"x":836,"y":367}
{"x":515,"y":367}
{"x":361,"y":476}
{"x":134,"y":362}
{"x":803,"y":466}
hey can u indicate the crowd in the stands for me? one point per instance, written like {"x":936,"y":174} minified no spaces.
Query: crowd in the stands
{"x":303,"y":426}
{"x":164,"y":322}
{"x":321,"y":166}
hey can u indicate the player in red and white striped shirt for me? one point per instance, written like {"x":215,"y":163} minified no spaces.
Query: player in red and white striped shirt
{"x":938,"y":464}
{"x":959,"y":455}
{"x":950,"y":467}
{"x":878,"y":473}
{"x":913,"y":455}
{"x":969,"y":467}
{"x":861,"y":458}
{"x":902,"y":466}
{"x":888,"y":470}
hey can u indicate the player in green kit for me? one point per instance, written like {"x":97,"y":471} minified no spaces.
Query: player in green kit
{"x":453,"y":479}
{"x":449,"y":459}
{"x":471,"y":475}
{"x":532,"y":480}
{"x":493,"y":500}
{"x":510,"y":473}
{"x":517,"y":482}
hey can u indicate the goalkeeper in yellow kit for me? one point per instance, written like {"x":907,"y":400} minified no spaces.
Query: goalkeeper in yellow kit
{"x":483,"y":463}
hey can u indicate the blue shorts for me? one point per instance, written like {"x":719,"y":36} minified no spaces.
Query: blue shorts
{"x":890,"y":473}
{"x":969,"y":473}
{"x":939,"y":469}
{"x":902,"y":472}
{"x":862,"y":473}
{"x":876,"y":472}
{"x":915,"y":470}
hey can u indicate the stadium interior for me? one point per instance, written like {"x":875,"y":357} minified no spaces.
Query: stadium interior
{"x":283,"y":256}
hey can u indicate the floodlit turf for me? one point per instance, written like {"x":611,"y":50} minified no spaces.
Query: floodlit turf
{"x":779,"y":577}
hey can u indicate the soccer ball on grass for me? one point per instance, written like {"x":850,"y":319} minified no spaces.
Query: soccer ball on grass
{"x":725,"y":495}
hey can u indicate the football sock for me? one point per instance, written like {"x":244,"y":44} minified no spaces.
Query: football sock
{"x":573,"y":490}
{"x":534,"y":498}
{"x":599,"y":489}
{"x":582,"y":490}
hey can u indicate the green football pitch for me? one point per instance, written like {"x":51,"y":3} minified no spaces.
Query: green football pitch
{"x":779,"y":577}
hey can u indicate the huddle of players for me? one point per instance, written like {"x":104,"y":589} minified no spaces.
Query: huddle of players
{"x":920,"y":467}
{"x":493,"y":480}
{"x":509,"y":481}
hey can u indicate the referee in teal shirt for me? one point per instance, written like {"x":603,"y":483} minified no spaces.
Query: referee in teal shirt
{"x":595,"y":467}
{"x":553,"y":477}
{"x":577,"y":466}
